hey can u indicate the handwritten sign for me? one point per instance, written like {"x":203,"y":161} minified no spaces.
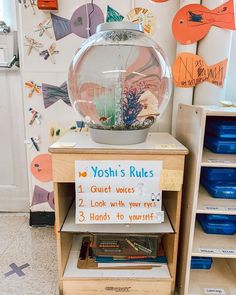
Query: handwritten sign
{"x":190,"y":70}
{"x":118,"y":192}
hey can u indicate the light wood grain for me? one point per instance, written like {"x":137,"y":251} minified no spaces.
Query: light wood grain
{"x":63,"y":177}
{"x":64,"y":195}
{"x":219,"y":276}
{"x":170,"y":246}
{"x":64,"y":244}
{"x":210,"y":159}
{"x":172,"y":203}
{"x":70,"y":226}
{"x":190,"y":131}
{"x":209,"y":205}
{"x":64,"y":164}
{"x":156,"y":143}
{"x":108,"y":286}
{"x":216,"y":242}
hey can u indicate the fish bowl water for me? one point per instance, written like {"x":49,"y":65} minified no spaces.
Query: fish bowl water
{"x":120,"y":81}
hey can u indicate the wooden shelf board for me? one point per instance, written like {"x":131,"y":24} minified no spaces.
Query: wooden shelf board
{"x":219,"y":111}
{"x":219,"y":276}
{"x":156,"y":143}
{"x":210,"y":159}
{"x":210,"y":205}
{"x":73,"y":272}
{"x":70,"y":226}
{"x":214,"y":243}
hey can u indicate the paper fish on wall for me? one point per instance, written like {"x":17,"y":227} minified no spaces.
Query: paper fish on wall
{"x":41,"y":195}
{"x":41,"y":167}
{"x":83,"y":22}
{"x":193,"y":21}
{"x":143,"y":16}
{"x":190,"y":69}
{"x":52,"y":94}
{"x":113,"y":15}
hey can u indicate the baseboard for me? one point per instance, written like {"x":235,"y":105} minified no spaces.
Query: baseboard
{"x":42,"y":218}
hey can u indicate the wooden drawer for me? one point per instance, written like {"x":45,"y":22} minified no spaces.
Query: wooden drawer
{"x":109,"y":287}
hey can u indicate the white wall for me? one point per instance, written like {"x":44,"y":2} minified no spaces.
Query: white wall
{"x":230,"y":93}
{"x":40,"y":71}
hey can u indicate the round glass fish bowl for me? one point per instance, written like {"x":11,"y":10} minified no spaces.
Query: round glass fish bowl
{"x":120,"y":81}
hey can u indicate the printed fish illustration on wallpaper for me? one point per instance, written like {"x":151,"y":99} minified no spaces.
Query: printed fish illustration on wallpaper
{"x":40,"y":196}
{"x":190,"y":69}
{"x":113,"y":15}
{"x":193,"y":21}
{"x":52,"y":94}
{"x":83,"y":22}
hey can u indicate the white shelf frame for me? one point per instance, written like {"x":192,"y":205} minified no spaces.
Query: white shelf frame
{"x":220,"y":276}
{"x":70,"y":226}
{"x":190,"y":131}
{"x":210,"y":159}
{"x":159,"y":272}
{"x":209,"y":205}
{"x":214,"y":243}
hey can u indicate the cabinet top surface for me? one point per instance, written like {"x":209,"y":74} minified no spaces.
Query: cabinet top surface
{"x":212,"y":110}
{"x":81,"y":142}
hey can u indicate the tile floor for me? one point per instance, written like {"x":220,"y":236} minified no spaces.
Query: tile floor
{"x":21,"y":244}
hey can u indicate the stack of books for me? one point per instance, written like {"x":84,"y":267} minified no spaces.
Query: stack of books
{"x":120,"y":251}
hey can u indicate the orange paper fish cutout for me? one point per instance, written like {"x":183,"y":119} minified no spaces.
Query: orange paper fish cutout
{"x":190,"y":69}
{"x":83,"y":174}
{"x":193,"y":21}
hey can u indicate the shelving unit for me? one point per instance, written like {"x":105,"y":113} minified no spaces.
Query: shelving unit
{"x":221,"y":278}
{"x":160,"y":280}
{"x":208,"y":205}
{"x":213,"y":245}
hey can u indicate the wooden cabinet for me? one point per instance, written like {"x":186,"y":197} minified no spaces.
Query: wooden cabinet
{"x":158,"y":281}
{"x":221,"y":278}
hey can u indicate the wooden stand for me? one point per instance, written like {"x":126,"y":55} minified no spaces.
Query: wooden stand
{"x":158,"y":281}
{"x":222,"y":276}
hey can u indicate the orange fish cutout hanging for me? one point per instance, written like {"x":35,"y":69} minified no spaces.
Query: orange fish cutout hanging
{"x":192,"y":22}
{"x":190,"y":70}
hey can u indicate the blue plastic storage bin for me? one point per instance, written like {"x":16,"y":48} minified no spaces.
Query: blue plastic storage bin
{"x":201,"y":262}
{"x":217,"y":227}
{"x":220,"y":217}
{"x":221,"y":127}
{"x":213,"y":174}
{"x":220,"y":146}
{"x":220,"y":189}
